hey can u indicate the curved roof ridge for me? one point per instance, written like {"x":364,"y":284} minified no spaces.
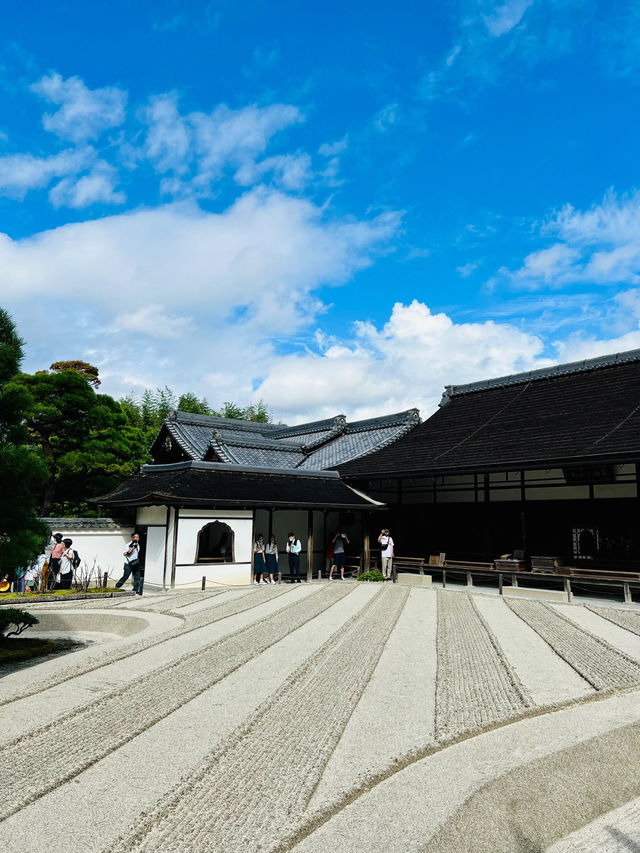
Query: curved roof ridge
{"x":313,"y":426}
{"x":408,"y":416}
{"x":541,"y":373}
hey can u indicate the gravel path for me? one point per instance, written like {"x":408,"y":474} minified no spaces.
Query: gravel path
{"x":36,"y":763}
{"x":24,"y":687}
{"x":628,"y":619}
{"x":603,"y":666}
{"x":33,"y":712}
{"x":621,"y":639}
{"x":155,"y":761}
{"x":617,"y":831}
{"x":396,"y":714}
{"x":406,"y":811}
{"x":547,"y":677}
{"x":246,"y":795}
{"x":476,"y":685}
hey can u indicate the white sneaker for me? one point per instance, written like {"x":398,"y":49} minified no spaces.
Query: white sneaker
{"x":330,"y":578}
{"x":271,"y":581}
{"x":262,"y":583}
{"x":255,"y":583}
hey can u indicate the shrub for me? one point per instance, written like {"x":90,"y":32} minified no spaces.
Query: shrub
{"x":20,"y":619}
{"x":375,"y":575}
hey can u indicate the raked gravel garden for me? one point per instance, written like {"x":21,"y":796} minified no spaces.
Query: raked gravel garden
{"x":326,"y":717}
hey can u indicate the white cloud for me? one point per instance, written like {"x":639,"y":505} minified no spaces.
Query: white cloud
{"x":385,"y":118}
{"x":330,"y":149}
{"x":263,"y":256}
{"x":152,"y":320}
{"x":202,"y":145}
{"x":20,"y":173}
{"x":600,"y":245}
{"x":98,"y":187}
{"x":505,"y":17}
{"x":405,"y":363}
{"x":84,"y":113}
{"x":291,"y":171}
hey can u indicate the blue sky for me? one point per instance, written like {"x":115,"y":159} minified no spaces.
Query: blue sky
{"x":333,"y":207}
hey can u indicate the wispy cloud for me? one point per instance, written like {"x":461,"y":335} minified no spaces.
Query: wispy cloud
{"x":20,"y":173}
{"x":97,"y":187}
{"x":83,"y":113}
{"x":202,"y":145}
{"x":600,"y":245}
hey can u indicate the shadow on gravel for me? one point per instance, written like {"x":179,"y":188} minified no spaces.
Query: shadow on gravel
{"x":20,"y":652}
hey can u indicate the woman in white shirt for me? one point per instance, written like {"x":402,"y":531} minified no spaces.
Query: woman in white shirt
{"x":66,"y":565}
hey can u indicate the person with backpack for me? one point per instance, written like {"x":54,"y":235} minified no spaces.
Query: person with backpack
{"x":55,"y":556}
{"x":132,"y":564}
{"x":67,"y":564}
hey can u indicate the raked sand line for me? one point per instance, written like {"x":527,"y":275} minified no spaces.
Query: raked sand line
{"x":36,"y":763}
{"x":405,"y":811}
{"x":33,"y":712}
{"x":154,"y":761}
{"x":396,"y":713}
{"x":628,"y":619}
{"x":548,"y":678}
{"x":529,"y":808}
{"x":617,"y":831}
{"x":625,"y":641}
{"x":19,"y":688}
{"x":475,"y":685}
{"x":245,"y":797}
{"x":599,"y":663}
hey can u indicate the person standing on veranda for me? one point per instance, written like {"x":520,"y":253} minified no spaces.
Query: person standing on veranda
{"x":293,"y":550}
{"x":259,"y":561}
{"x":386,"y":553}
{"x":271,"y":554}
{"x":337,"y":561}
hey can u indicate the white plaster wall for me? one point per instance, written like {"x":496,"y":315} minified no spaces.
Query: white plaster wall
{"x":154,"y":556}
{"x":190,"y":573}
{"x":104,"y":547}
{"x":152,"y":515}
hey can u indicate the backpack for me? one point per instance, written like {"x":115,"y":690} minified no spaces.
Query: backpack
{"x":76,"y":560}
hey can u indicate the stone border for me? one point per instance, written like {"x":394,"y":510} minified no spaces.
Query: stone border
{"x":50,"y":599}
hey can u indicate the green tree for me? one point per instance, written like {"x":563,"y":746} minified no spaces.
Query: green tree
{"x":84,"y":439}
{"x":22,"y":474}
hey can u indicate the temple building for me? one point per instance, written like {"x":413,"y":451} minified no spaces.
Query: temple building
{"x":544,"y":462}
{"x":538,"y":463}
{"x":216,"y":482}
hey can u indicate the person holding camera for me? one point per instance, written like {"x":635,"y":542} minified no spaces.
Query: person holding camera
{"x":337,"y":562}
{"x":132,"y":564}
{"x":293,"y":550}
{"x":386,"y":553}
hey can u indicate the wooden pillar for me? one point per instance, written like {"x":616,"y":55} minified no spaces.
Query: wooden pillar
{"x":567,"y":589}
{"x":174,"y":549}
{"x":310,"y":546}
{"x":324,"y":544}
{"x":366,"y":544}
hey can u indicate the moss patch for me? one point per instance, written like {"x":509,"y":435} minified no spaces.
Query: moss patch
{"x":19,"y":650}
{"x":58,"y":593}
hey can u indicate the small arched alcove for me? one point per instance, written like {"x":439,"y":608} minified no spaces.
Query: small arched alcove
{"x":215,"y":543}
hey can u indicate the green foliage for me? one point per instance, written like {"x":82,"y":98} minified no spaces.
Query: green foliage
{"x":19,"y":620}
{"x":22,"y":474}
{"x":83,"y":438}
{"x":374,"y":575}
{"x":82,"y":368}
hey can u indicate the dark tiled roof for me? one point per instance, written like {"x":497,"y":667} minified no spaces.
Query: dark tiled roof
{"x":256,"y":451}
{"x":207,"y":483}
{"x":566,"y":416}
{"x":361,"y":438}
{"x":313,"y":446}
{"x":65,"y":524}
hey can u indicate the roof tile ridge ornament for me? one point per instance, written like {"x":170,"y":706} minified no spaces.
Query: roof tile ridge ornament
{"x":335,"y":432}
{"x":550,"y":372}
{"x":217,"y":444}
{"x":339,"y":421}
{"x":407,"y":416}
